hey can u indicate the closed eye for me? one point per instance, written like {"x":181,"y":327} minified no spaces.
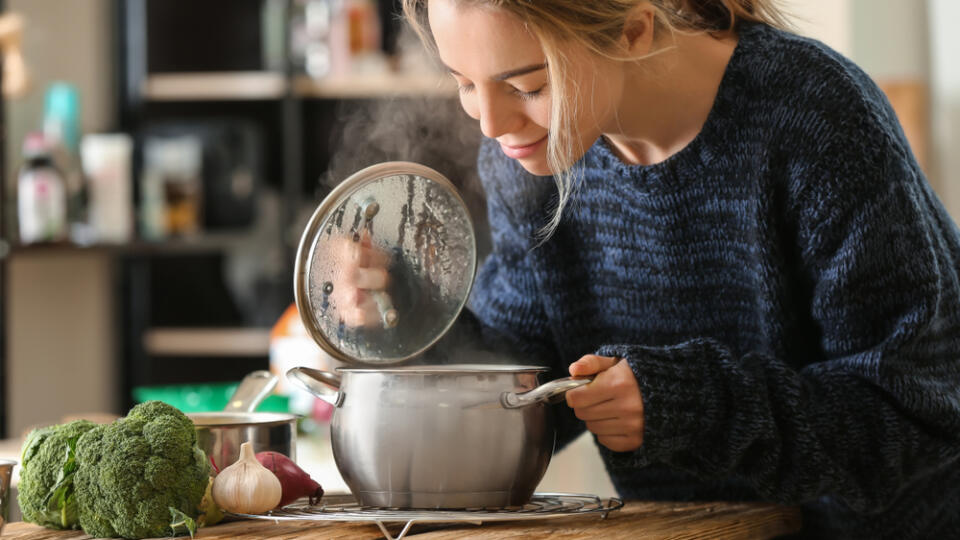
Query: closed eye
{"x":524,"y":95}
{"x":528,"y":95}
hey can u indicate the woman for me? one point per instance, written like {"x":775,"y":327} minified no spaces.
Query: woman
{"x":743,"y":251}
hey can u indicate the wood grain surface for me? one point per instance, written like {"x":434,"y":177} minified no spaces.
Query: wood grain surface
{"x":635,"y":521}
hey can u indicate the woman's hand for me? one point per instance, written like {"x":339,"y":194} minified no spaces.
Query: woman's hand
{"x":362,"y":273}
{"x":611,"y":405}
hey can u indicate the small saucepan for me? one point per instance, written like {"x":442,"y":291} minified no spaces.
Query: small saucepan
{"x":221,"y":433}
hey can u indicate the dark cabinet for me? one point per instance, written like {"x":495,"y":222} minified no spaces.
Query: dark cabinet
{"x":199,"y":309}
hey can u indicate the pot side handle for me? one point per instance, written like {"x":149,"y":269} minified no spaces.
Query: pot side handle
{"x":323,"y":384}
{"x":551,"y":392}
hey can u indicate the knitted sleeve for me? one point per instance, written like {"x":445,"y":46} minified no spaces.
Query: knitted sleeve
{"x":882,"y":404}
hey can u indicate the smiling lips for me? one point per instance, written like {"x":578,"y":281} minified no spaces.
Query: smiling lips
{"x":520,"y":152}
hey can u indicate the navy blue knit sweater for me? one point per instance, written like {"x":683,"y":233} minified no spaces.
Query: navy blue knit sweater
{"x":785,"y":289}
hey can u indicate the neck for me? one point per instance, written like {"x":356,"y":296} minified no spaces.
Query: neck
{"x":668,"y":97}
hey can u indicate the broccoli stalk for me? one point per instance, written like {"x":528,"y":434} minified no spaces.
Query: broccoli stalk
{"x":181,"y":522}
{"x":210,"y":513}
{"x":135,"y":473}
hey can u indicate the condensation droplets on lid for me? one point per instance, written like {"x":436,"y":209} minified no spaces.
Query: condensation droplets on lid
{"x":417,"y":227}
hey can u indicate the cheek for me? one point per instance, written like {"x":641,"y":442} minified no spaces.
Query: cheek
{"x":539,"y":112}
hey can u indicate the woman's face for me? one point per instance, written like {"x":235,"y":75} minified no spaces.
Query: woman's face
{"x":500,"y":68}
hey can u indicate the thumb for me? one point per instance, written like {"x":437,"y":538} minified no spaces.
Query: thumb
{"x":591,"y":364}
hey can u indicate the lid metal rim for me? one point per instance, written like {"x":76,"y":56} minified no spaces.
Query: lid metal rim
{"x":305,"y":251}
{"x":216,"y":419}
{"x":446,"y":369}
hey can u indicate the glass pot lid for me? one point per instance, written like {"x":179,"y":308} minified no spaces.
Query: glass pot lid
{"x":401,"y":218}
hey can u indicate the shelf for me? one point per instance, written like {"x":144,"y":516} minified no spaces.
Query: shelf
{"x":207,"y":341}
{"x":238,"y":85}
{"x":265,"y":85}
{"x":204,"y":243}
{"x":427,"y":84}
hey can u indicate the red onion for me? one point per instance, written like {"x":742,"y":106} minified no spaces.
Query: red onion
{"x":294,"y":481}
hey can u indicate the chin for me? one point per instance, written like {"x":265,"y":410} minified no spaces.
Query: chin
{"x":536,"y":167}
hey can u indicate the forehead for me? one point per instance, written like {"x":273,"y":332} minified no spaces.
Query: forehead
{"x":481,"y":41}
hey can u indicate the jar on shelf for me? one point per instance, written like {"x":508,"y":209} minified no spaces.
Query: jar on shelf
{"x":41,"y":194}
{"x":171,"y":187}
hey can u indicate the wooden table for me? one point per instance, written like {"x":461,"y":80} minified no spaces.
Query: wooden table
{"x":635,"y":521}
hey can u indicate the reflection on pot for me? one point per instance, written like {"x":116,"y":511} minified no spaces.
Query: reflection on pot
{"x":6,"y":472}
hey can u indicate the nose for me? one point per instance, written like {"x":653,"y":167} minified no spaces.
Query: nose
{"x":497,"y":116}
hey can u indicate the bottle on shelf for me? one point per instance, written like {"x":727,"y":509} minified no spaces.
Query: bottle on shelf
{"x":336,"y":38}
{"x":41,"y":194}
{"x":61,"y":129}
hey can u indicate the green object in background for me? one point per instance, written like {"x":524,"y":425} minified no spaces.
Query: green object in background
{"x":61,"y":114}
{"x":191,"y":398}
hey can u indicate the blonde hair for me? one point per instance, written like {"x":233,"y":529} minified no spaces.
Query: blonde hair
{"x":596,"y":25}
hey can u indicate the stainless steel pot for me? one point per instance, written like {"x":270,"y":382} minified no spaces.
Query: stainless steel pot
{"x":455,"y":436}
{"x":221,"y":433}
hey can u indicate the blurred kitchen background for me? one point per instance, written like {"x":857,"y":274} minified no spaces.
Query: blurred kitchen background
{"x":163,"y":156}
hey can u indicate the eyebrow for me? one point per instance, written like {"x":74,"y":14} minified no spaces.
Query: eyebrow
{"x":510,"y":74}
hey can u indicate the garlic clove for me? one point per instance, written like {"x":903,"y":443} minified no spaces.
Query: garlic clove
{"x":246,"y":487}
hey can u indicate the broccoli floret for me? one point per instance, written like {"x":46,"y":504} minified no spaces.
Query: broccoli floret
{"x":48,"y":464}
{"x":132,"y":472}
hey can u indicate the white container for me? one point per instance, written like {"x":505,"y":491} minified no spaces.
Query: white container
{"x":41,"y":195}
{"x":42,"y":206}
{"x":107,"y":168}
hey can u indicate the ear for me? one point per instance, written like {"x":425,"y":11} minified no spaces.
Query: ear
{"x":637,"y":37}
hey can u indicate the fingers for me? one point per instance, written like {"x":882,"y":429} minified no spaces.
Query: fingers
{"x":586,"y":396}
{"x":615,"y":426}
{"x":602,"y":388}
{"x":353,"y":317}
{"x":362,"y":311}
{"x":591,"y":364}
{"x":370,"y":278}
{"x":369,"y":257}
{"x":601,"y":411}
{"x":376,"y":257}
{"x":363,"y":253}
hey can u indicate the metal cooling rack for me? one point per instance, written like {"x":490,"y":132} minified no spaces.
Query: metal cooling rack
{"x":343,"y":507}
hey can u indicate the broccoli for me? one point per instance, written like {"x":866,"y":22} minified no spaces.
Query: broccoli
{"x":134,"y":473}
{"x":46,"y":494}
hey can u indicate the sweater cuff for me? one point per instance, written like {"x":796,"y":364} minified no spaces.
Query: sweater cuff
{"x":683,"y":400}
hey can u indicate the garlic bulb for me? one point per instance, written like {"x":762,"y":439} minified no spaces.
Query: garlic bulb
{"x":246,"y":487}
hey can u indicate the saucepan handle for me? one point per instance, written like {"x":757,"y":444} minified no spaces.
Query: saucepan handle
{"x":251,"y":391}
{"x":323,"y":384}
{"x":551,"y":392}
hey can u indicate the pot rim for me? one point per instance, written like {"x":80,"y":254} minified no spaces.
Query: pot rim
{"x":447,"y":369}
{"x":226,"y":419}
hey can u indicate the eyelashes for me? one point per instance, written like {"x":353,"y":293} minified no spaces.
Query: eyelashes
{"x":526,"y":96}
